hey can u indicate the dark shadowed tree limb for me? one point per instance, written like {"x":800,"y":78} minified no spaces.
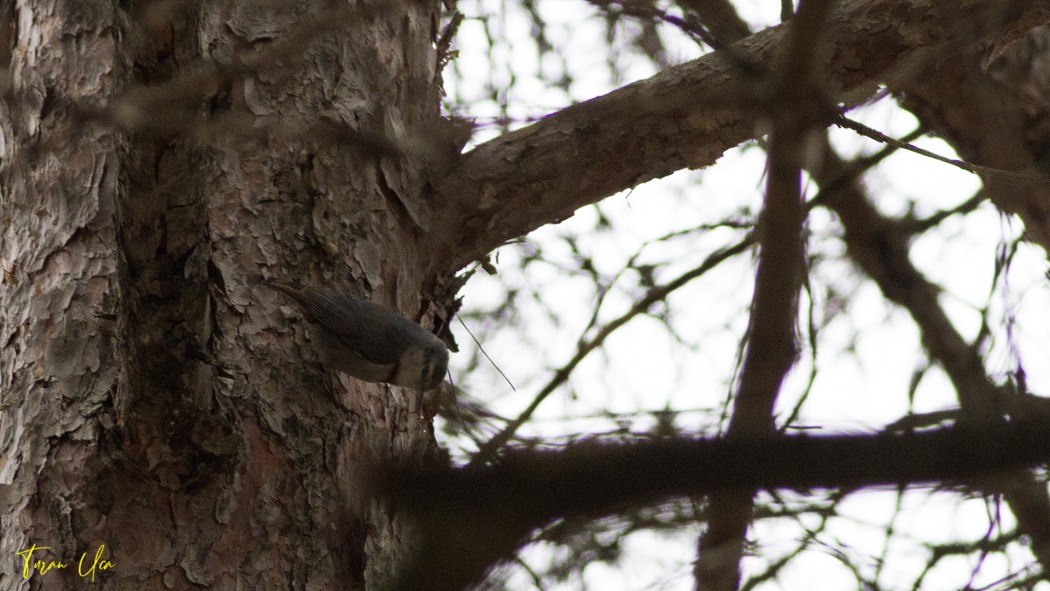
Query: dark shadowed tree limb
{"x":772,"y":347}
{"x":879,"y":245}
{"x":472,"y":519}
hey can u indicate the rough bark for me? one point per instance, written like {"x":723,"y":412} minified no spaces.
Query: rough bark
{"x":158,"y":156}
{"x":689,"y":115}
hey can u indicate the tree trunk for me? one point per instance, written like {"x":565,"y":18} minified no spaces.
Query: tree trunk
{"x":161,"y":407}
{"x":157,"y":157}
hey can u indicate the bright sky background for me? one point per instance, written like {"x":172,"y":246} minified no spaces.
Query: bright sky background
{"x":643,"y":368}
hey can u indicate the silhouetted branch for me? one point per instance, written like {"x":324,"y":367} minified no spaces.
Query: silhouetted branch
{"x":471,"y":519}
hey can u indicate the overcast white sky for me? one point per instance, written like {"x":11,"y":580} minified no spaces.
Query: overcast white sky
{"x":643,"y":368}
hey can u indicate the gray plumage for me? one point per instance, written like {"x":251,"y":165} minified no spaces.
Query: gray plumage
{"x":369,"y":341}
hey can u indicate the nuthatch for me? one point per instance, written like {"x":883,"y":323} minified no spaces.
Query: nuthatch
{"x":368,"y":341}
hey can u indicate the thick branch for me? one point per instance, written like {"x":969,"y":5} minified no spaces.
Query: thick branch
{"x":473,"y":518}
{"x":685,"y":117}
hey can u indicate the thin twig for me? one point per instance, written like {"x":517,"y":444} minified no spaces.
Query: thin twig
{"x":488,"y":451}
{"x":868,"y":132}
